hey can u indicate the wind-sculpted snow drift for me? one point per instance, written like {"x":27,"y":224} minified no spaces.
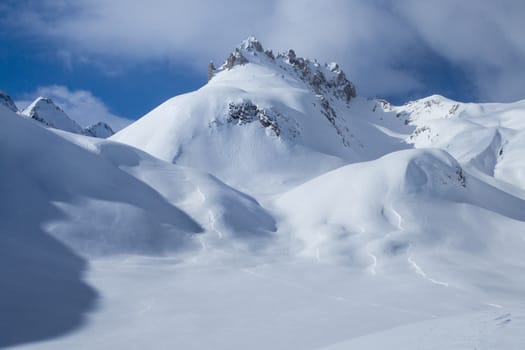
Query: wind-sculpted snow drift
{"x":272,"y":208}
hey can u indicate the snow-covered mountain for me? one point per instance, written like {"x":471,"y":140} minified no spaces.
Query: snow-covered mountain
{"x":272,"y":208}
{"x":46,"y":112}
{"x":282,"y":117}
{"x":7,"y":101}
{"x":100,"y":130}
{"x":488,"y":138}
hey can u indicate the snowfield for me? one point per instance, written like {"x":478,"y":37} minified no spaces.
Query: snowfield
{"x":274,"y":208}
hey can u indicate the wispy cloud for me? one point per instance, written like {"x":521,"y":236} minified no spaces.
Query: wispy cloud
{"x":80,"y":105}
{"x":377,"y":42}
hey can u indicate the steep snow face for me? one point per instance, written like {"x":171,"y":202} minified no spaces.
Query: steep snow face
{"x":44,"y":111}
{"x":265,"y":122}
{"x":477,"y":135}
{"x":100,"y":130}
{"x":7,"y":101}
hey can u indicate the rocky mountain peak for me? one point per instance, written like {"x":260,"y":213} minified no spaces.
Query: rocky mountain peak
{"x":251,"y":44}
{"x":323,"y":79}
{"x":45,"y":111}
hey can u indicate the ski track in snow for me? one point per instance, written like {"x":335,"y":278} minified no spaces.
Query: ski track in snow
{"x":211,"y":216}
{"x":399,"y":223}
{"x":347,"y":300}
{"x":410,"y":259}
{"x":420,"y":271}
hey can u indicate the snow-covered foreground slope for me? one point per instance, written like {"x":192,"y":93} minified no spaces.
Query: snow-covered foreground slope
{"x":166,"y":303}
{"x":62,"y":200}
{"x":271,"y":209}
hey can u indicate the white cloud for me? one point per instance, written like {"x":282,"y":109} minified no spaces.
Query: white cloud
{"x":376,"y":41}
{"x":80,"y":105}
{"x":484,"y":37}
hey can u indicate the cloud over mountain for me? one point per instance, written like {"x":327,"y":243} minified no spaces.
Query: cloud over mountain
{"x":388,"y":48}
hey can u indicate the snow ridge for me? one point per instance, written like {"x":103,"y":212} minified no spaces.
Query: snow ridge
{"x":44,"y":110}
{"x":7,"y":101}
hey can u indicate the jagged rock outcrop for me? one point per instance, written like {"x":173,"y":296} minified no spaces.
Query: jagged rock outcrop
{"x":235,"y":58}
{"x":323,"y":79}
{"x":247,"y":112}
{"x":211,"y":70}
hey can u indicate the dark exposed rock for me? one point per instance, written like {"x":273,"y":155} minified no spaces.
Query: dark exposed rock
{"x":331,"y":115}
{"x":247,"y":112}
{"x":324,"y":80}
{"x":235,"y":58}
{"x":461,"y":177}
{"x":269,"y":53}
{"x":312,"y":73}
{"x":252,"y":44}
{"x":211,"y":70}
{"x":291,"y":56}
{"x":257,"y":46}
{"x":453,"y":109}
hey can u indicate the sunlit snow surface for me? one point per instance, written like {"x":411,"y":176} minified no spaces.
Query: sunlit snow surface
{"x":390,"y":227}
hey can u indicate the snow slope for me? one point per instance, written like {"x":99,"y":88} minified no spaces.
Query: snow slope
{"x":425,"y":208}
{"x":65,"y":197}
{"x":273,"y":208}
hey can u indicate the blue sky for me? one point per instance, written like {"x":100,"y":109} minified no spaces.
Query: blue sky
{"x":122,"y":58}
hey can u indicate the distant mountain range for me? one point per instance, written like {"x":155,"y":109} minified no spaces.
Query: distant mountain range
{"x":46,"y":112}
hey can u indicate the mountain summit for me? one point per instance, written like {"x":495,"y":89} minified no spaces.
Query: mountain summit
{"x":323,"y":79}
{"x":45,"y":111}
{"x":257,"y":109}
